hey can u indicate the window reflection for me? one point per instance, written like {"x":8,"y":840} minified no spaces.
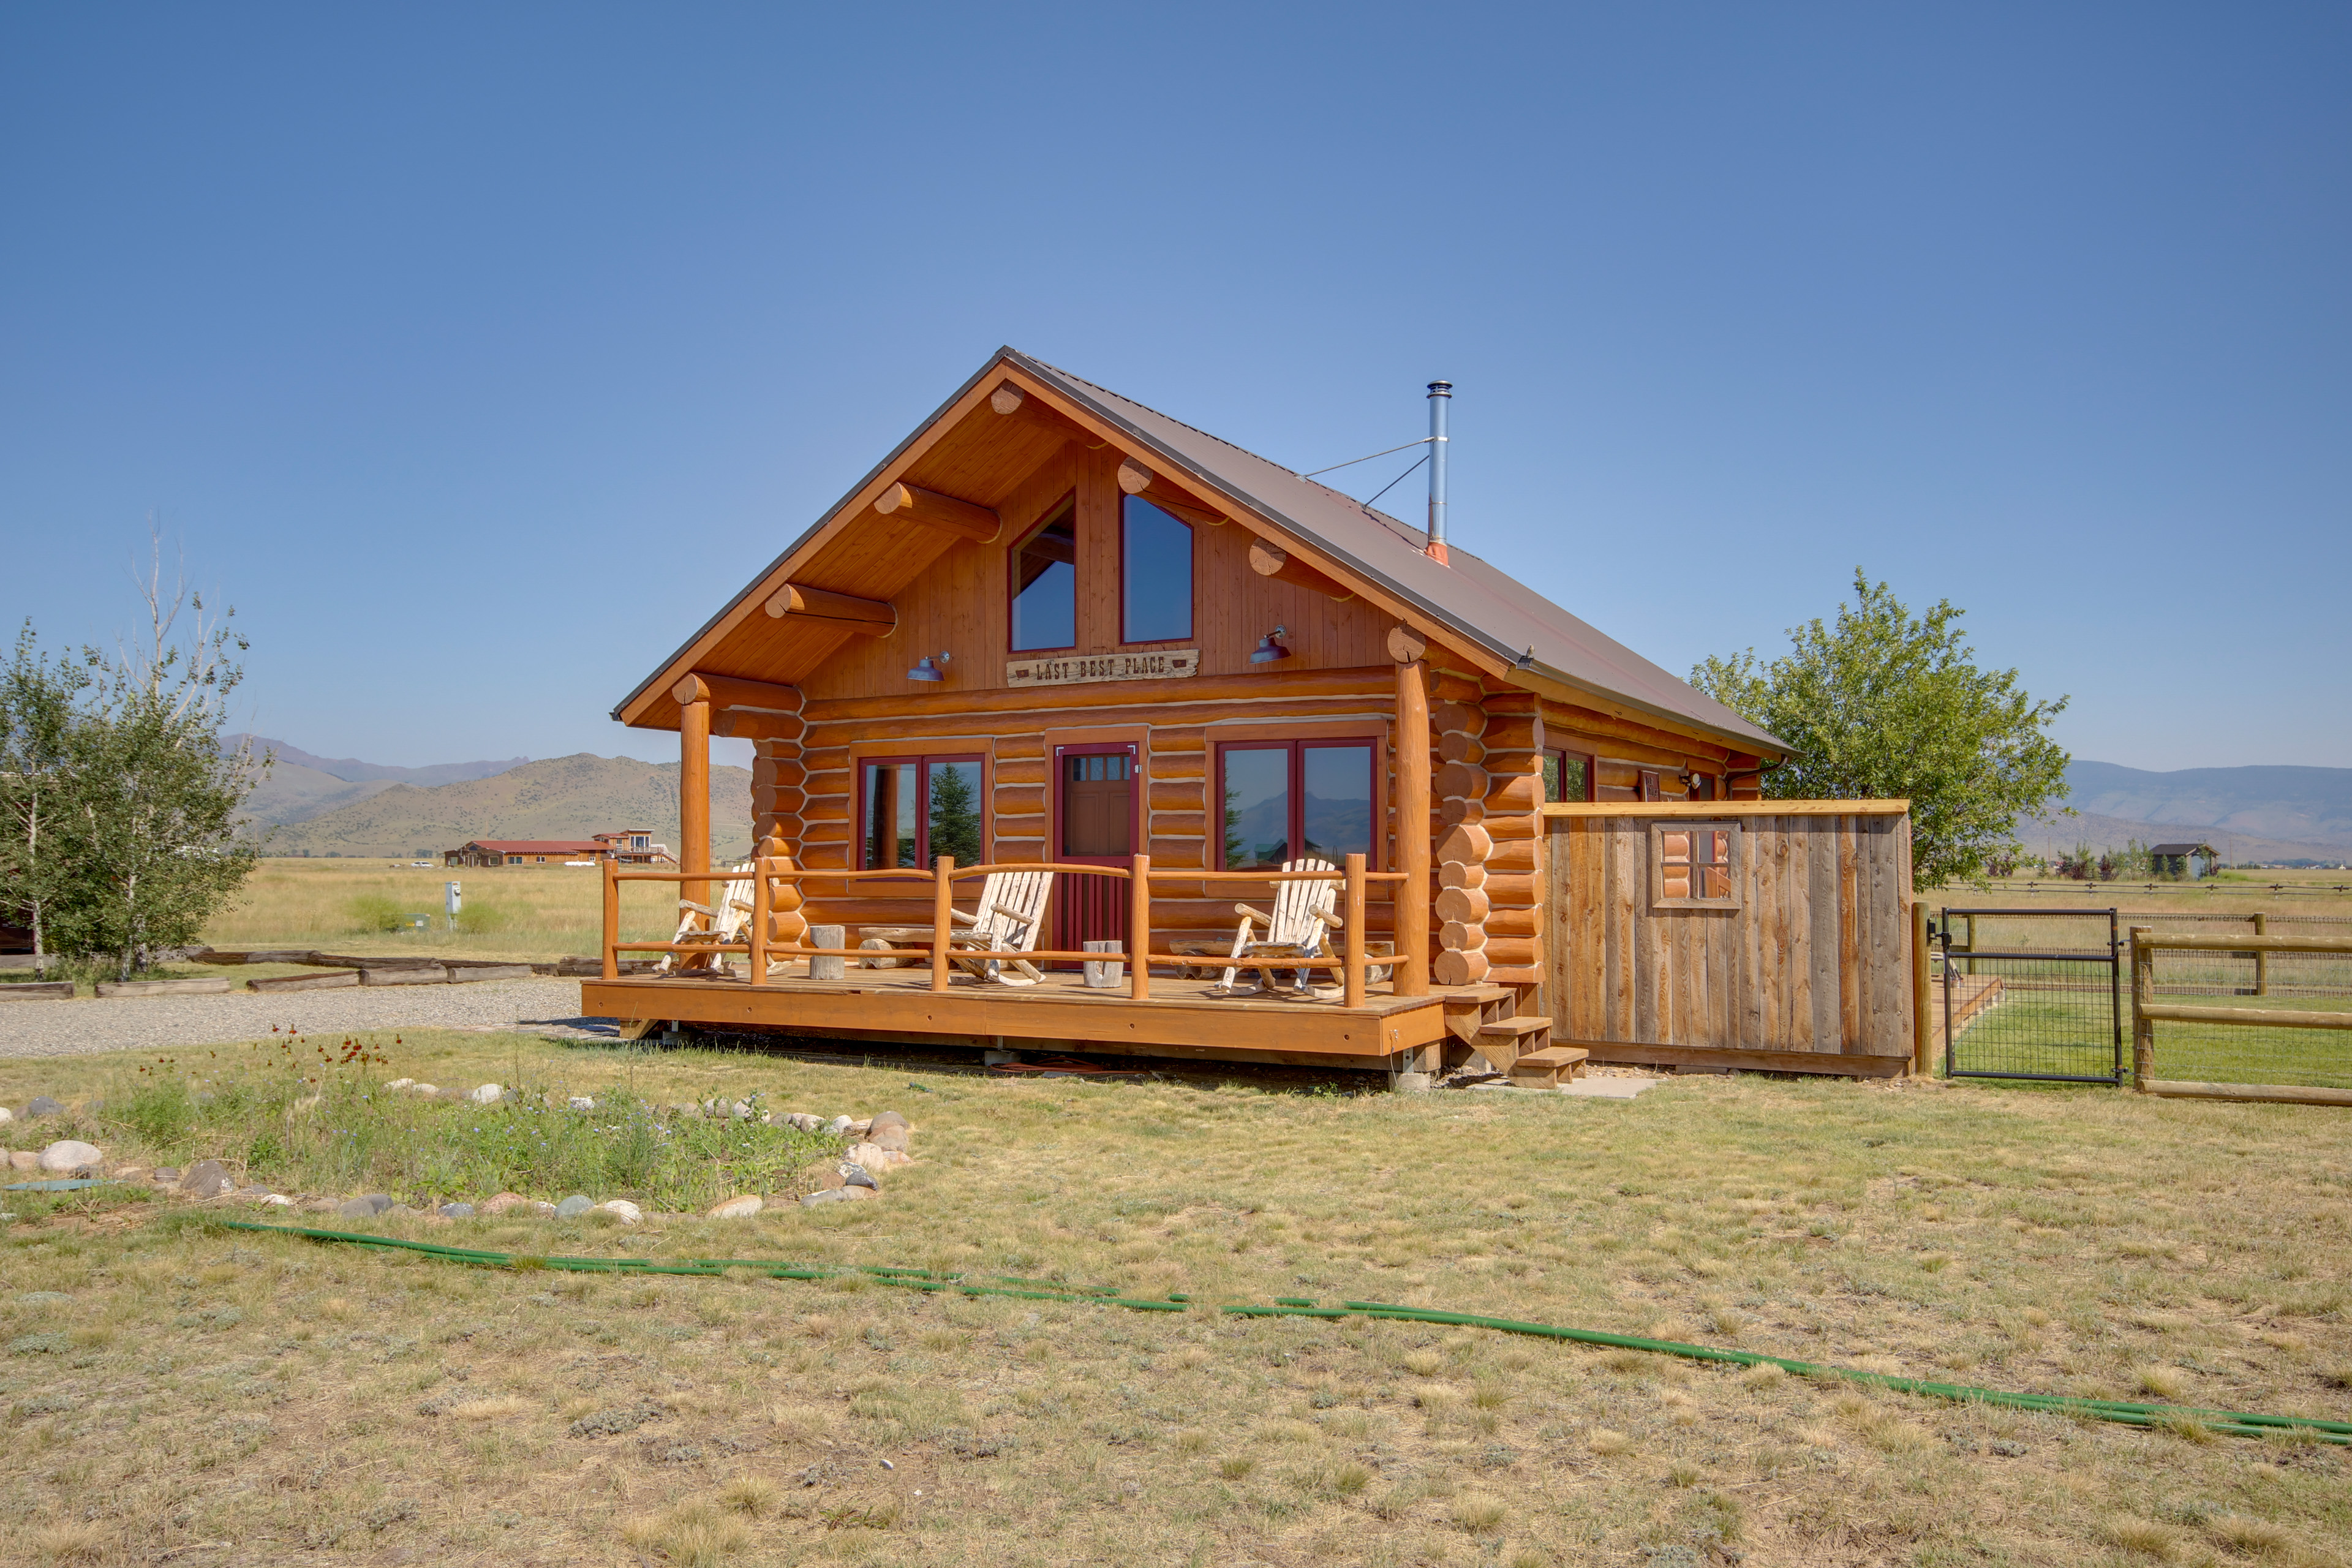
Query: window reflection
{"x":1045,"y":583}
{"x":889,"y":792}
{"x":1336,"y":801}
{"x":1156,"y":574}
{"x":1258,"y":807}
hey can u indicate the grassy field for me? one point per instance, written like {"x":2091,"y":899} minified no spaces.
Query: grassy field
{"x":212,"y":1397}
{"x":509,"y":911}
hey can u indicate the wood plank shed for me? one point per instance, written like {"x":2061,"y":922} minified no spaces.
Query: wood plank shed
{"x":1056,"y":627}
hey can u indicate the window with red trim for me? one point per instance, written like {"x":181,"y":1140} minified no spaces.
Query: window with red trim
{"x":911,"y":810}
{"x":1294,"y":800}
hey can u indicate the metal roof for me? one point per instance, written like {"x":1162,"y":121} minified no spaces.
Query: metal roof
{"x":1474,"y":599}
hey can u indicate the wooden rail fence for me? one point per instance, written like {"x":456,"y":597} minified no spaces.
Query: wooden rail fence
{"x":2147,"y":1013}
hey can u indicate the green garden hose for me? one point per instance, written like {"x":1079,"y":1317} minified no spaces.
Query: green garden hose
{"x":2236,"y":1423}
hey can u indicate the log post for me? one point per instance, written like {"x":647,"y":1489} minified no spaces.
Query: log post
{"x":943,"y":919}
{"x":612,"y":915}
{"x":2262,"y":960}
{"x":1413,"y":894}
{"x":1923,"y":1023}
{"x":1138,"y":929}
{"x":694,"y":789}
{"x":2142,"y":994}
{"x":1351,"y":979}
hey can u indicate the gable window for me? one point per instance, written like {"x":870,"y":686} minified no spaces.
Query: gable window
{"x":1155,"y":574}
{"x":1295,"y":800}
{"x":912,"y":810}
{"x":1693,"y":866}
{"x":1568,"y":775}
{"x":1045,"y":583}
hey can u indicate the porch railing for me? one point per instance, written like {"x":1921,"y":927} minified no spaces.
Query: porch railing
{"x":1353,"y":962}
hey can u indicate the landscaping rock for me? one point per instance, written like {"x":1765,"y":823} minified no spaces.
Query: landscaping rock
{"x":456,"y":1211}
{"x":541,"y":1209}
{"x":622,"y":1210}
{"x":581,"y":1102}
{"x":425,"y":1090}
{"x":205,"y":1179}
{"x":132,"y":1174}
{"x":70,"y":1154}
{"x":854,"y":1174}
{"x":893,"y":1138}
{"x":836,"y":1127}
{"x":6,"y":1115}
{"x":24,"y":1160}
{"x":875,"y":1159}
{"x":400,"y":1083}
{"x":368,"y":1205}
{"x":42,"y":1105}
{"x":504,"y":1202}
{"x":167,"y":1173}
{"x":273,"y":1201}
{"x":830,"y":1196}
{"x":574,"y":1205}
{"x":487,"y":1094}
{"x":802,"y":1121}
{"x":742,"y":1208}
{"x":887,"y":1119}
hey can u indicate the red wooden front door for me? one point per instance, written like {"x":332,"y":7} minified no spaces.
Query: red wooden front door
{"x":1094,"y":825}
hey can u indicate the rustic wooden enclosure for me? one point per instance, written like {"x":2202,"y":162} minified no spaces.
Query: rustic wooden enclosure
{"x":1769,"y":935}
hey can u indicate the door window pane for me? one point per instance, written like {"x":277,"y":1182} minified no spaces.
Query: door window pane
{"x":888,"y":791}
{"x":1258,"y":807}
{"x":1097,"y":804}
{"x":1336,"y":801}
{"x":954,"y":812}
{"x":1155,"y":574}
{"x":1046,"y":584}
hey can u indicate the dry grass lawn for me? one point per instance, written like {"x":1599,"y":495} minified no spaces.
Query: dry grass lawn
{"x":208,"y":1397}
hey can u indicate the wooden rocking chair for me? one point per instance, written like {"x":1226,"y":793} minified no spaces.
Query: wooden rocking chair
{"x":702,"y":925}
{"x":1298,"y":928}
{"x":1012,"y":908}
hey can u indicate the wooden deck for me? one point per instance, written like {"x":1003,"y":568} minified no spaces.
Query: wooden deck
{"x":1179,"y":1019}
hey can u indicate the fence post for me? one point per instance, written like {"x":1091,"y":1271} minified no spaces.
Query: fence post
{"x":2143,"y":993}
{"x":1922,"y":1027}
{"x":2262,"y":960}
{"x":1138,"y":929}
{"x":612,"y":916}
{"x":1351,"y":977}
{"x":942,"y":918}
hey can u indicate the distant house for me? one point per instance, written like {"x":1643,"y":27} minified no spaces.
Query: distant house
{"x":630,"y":847}
{"x":523,"y":852}
{"x":2184,"y":862}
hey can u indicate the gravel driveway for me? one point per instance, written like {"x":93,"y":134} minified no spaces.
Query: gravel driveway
{"x":155,"y":1023}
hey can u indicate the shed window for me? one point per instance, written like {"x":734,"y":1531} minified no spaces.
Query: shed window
{"x":1155,"y":574}
{"x":912,"y":810}
{"x":1694,"y":865}
{"x":1045,"y":583}
{"x":1568,"y":775}
{"x":1292,"y":800}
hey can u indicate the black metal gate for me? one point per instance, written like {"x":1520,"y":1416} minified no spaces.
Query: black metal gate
{"x":2035,"y":993}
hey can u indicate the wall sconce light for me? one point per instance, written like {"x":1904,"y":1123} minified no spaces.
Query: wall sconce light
{"x":926,"y":670}
{"x":1269,"y":649}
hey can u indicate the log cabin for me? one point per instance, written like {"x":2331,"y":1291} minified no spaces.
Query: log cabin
{"x":1057,"y":628}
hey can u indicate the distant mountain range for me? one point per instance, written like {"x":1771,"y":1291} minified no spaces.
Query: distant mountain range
{"x":2247,"y":813}
{"x":300,"y":786}
{"x":558,"y":797}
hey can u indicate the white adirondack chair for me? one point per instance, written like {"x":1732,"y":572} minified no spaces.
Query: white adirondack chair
{"x":716,"y":926}
{"x":1299,"y":927}
{"x":1012,"y":908}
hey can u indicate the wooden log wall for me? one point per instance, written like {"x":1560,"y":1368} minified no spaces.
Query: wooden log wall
{"x":1815,"y":959}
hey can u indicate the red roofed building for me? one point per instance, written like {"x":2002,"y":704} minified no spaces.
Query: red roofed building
{"x":633,"y":847}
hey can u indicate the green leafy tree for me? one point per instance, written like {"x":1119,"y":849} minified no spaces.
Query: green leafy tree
{"x":140,"y":837}
{"x":38,"y":701}
{"x":955,"y":814}
{"x":1885,"y":704}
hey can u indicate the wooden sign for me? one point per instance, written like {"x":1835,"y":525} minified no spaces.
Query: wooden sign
{"x":1163,"y":664}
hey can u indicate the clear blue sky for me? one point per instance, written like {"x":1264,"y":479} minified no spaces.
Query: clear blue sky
{"x":477,"y":352}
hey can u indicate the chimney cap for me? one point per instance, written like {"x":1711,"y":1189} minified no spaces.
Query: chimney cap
{"x":1441,"y":389}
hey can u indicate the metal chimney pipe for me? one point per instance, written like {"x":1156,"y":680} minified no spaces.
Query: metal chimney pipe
{"x":1441,"y":393}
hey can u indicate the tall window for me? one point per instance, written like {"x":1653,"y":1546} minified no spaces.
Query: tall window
{"x":912,"y":810}
{"x":1293,"y":800}
{"x":1568,"y":775}
{"x":1045,"y":583}
{"x":1155,"y":574}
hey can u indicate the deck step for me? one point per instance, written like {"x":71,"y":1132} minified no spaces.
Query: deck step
{"x":1478,"y":996}
{"x":1516,"y":1027}
{"x":1545,"y":1069}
